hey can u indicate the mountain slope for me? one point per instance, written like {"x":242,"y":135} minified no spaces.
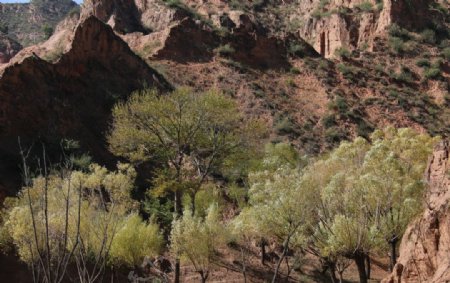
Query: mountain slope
{"x":71,"y":98}
{"x":31,"y":23}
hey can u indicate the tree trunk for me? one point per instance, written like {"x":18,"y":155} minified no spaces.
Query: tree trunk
{"x":360,"y":263}
{"x":263,"y":251}
{"x":368,"y":266}
{"x":288,"y":268}
{"x":393,"y":257}
{"x":178,"y":212}
{"x":204,"y":276}
{"x":341,"y":277}
{"x":332,"y":270}
{"x":277,"y":268}
{"x":244,"y":266}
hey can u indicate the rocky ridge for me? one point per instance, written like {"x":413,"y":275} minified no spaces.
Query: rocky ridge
{"x":72,"y":98}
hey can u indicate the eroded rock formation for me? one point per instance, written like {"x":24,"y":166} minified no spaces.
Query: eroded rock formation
{"x":357,"y":23}
{"x":425,"y":247}
{"x":71,"y":98}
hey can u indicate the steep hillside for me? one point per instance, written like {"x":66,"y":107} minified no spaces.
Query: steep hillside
{"x":8,"y":48}
{"x":41,"y":101}
{"x":383,"y":67}
{"x":34,"y":22}
{"x":317,"y":72}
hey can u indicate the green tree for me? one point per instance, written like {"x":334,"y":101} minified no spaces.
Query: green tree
{"x":135,"y":240}
{"x":4,"y":28}
{"x":343,"y":226}
{"x":191,"y":134}
{"x":367,"y":193}
{"x":278,"y":205}
{"x":196,"y":240}
{"x":48,"y":31}
{"x":393,"y":179}
{"x":67,"y":215}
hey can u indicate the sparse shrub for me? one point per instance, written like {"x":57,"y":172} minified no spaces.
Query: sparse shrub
{"x":432,"y":73}
{"x":329,"y":121}
{"x":363,"y":128}
{"x":380,"y":5}
{"x":348,"y":72}
{"x":379,"y":69}
{"x":397,"y":44}
{"x":343,"y":52}
{"x":334,"y":135}
{"x":428,"y":36}
{"x":323,"y":65}
{"x":290,"y":82}
{"x":366,"y":7}
{"x":404,"y":76}
{"x":285,"y":126}
{"x":297,"y":49}
{"x":224,"y":50}
{"x":295,"y":71}
{"x":397,"y":31}
{"x":339,"y":104}
{"x":446,"y":53}
{"x":4,"y":28}
{"x":48,"y":31}
{"x":423,"y":62}
{"x":237,"y":5}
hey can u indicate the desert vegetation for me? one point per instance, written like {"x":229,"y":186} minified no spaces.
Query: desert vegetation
{"x":77,"y":220}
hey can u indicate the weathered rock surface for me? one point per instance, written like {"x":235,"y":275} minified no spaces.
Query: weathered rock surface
{"x":345,"y":24}
{"x":71,"y":98}
{"x":8,"y":48}
{"x":425,"y":247}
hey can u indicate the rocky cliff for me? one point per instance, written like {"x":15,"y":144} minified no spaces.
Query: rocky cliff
{"x":425,"y":247}
{"x":266,"y":55}
{"x":72,"y":98}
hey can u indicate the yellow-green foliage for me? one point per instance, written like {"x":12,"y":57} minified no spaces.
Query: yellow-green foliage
{"x":196,"y":239}
{"x":95,"y":218}
{"x":190,"y":134}
{"x":135,"y":240}
{"x":367,"y":193}
{"x":279,"y":204}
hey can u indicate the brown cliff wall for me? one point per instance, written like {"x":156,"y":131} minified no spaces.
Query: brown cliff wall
{"x":72,"y":98}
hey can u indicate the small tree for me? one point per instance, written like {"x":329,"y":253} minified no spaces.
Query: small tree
{"x":190,"y":133}
{"x":135,"y":240}
{"x":66,"y":215}
{"x":48,"y":31}
{"x":278,"y":208}
{"x":343,"y":226}
{"x":197,"y":240}
{"x":393,"y":179}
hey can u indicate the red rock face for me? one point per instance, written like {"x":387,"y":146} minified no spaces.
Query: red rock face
{"x":425,"y":247}
{"x":71,"y":98}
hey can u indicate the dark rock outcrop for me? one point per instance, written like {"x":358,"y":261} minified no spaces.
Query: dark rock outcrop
{"x":71,"y":98}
